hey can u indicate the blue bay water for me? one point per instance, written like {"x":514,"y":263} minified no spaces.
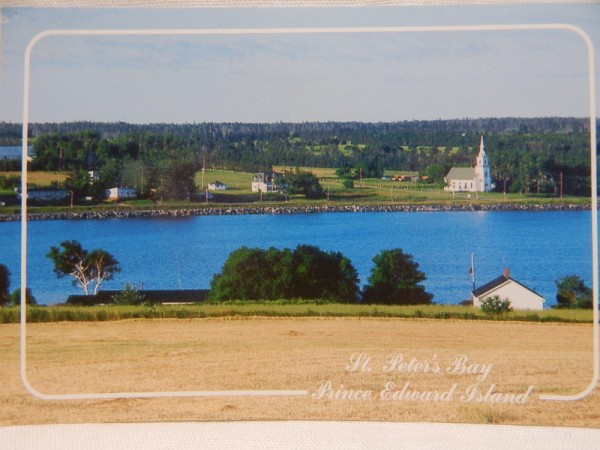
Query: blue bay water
{"x":184,"y":253}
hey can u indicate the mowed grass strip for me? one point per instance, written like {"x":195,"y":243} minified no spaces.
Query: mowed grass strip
{"x":237,"y":181}
{"x":294,"y":353}
{"x":281,"y":309}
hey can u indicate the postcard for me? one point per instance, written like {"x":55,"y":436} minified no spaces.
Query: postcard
{"x":375,"y":214}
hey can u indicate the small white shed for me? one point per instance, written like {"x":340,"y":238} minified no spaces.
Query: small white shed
{"x":118,"y":193}
{"x":505,"y":287}
{"x":217,"y":186}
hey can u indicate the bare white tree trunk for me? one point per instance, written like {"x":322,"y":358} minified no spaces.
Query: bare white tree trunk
{"x":79,"y":275}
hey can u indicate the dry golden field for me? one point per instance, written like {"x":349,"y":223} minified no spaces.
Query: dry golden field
{"x":41,"y":178}
{"x":456,"y":371}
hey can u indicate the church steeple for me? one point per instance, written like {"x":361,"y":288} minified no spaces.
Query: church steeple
{"x":482,"y":169}
{"x":482,"y":159}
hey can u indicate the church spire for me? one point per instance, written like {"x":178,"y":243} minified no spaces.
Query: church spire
{"x":482,"y":170}
{"x":482,"y":159}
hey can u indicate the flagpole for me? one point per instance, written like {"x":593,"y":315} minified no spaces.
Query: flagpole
{"x":473,"y":269}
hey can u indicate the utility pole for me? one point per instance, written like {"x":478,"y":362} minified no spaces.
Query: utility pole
{"x":561,"y":185}
{"x":203,"y":166}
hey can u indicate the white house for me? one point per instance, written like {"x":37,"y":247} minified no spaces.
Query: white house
{"x":217,"y":186}
{"x":471,"y":179}
{"x":118,"y":193}
{"x":266,"y":182}
{"x":519,"y":295}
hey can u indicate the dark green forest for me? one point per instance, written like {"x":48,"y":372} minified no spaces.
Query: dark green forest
{"x":526,"y":155}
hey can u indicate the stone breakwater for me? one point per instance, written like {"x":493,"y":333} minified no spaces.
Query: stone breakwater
{"x":244,"y":210}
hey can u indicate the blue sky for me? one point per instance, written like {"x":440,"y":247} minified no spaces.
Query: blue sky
{"x":308,"y":77}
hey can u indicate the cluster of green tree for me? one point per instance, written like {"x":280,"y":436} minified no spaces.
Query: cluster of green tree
{"x":305,"y":183}
{"x":157,"y":166}
{"x":305,"y":272}
{"x":10,"y":165}
{"x":572,"y":292}
{"x":527,"y":155}
{"x":395,"y":279}
{"x":9,"y":182}
{"x":367,"y":168}
{"x":12,"y":299}
{"x":310,"y":273}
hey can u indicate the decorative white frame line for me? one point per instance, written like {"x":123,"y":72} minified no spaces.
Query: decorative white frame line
{"x":270,"y":31}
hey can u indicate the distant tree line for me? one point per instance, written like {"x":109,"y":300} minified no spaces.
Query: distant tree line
{"x":527,"y":155}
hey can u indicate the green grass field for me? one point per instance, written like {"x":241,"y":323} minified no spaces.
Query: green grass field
{"x":62,"y":313}
{"x":371,"y":192}
{"x":235,"y":181}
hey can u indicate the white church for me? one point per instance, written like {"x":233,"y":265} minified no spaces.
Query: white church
{"x":471,"y":179}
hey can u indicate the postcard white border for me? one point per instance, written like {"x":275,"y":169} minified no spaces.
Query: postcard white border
{"x":265,"y":31}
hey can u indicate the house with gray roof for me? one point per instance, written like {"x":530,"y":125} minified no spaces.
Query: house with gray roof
{"x":505,"y":287}
{"x":267,"y":182}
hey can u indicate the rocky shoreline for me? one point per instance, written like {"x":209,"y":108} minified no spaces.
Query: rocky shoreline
{"x":245,"y":210}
